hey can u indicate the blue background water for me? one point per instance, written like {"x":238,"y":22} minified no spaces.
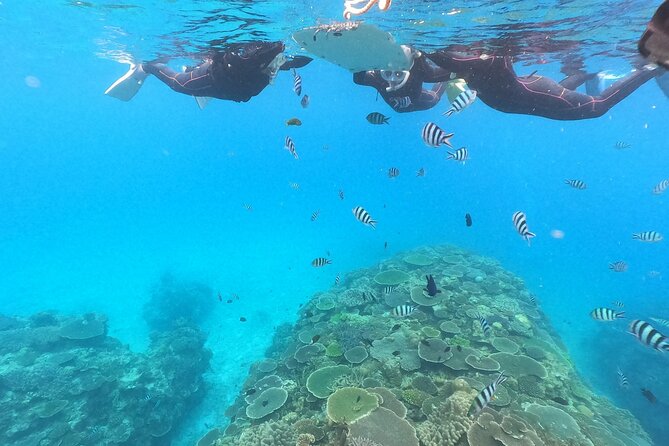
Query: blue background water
{"x":98,"y":198}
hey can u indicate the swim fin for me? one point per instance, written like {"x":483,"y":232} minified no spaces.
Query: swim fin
{"x":654,"y":43}
{"x":663,"y":83}
{"x":126,"y":87}
{"x":202,"y":101}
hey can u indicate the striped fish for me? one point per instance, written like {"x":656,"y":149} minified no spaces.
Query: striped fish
{"x":337,"y":278}
{"x":247,"y":206}
{"x":533,"y":299}
{"x":618,"y":304}
{"x":434,"y":136}
{"x":461,"y":155}
{"x":399,"y":103}
{"x":403,"y":310}
{"x":462,"y":101}
{"x":486,"y":395}
{"x":606,"y":314}
{"x":661,"y":321}
{"x":623,"y":382}
{"x":645,"y":333}
{"x":290,"y":146}
{"x":576,"y":184}
{"x":320,"y":261}
{"x":294,"y":186}
{"x":661,"y":187}
{"x":484,"y":325}
{"x":377,"y":118}
{"x":314,"y":215}
{"x":520,"y":222}
{"x":297,"y":83}
{"x":648,"y":236}
{"x":421,"y":172}
{"x":388,"y":289}
{"x":393,"y":172}
{"x":619,"y":266}
{"x":305,"y":101}
{"x":622,"y":145}
{"x":363,"y":216}
{"x":341,"y":194}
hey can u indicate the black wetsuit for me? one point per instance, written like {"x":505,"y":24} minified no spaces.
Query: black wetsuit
{"x":498,"y":86}
{"x":235,"y":74}
{"x":412,"y":96}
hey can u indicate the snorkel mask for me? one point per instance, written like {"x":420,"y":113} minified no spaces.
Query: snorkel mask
{"x":274,"y":66}
{"x":398,"y":78}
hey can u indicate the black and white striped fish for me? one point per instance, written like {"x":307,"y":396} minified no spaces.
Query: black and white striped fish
{"x":486,"y":395}
{"x":434,"y":136}
{"x":314,"y":215}
{"x":421,"y":172}
{"x":622,"y":145}
{"x":606,"y":314}
{"x":320,"y":261}
{"x":661,"y":321}
{"x":645,"y":333}
{"x":403,"y":310}
{"x":363,"y":216}
{"x":576,"y":184}
{"x":377,"y":118}
{"x":623,"y":382}
{"x":461,"y":155}
{"x":341,"y":194}
{"x":648,"y":236}
{"x":393,"y":172}
{"x":661,"y":187}
{"x":305,"y":101}
{"x":484,"y":325}
{"x":290,"y":146}
{"x":619,"y":266}
{"x":388,"y":289}
{"x":337,"y":278}
{"x":461,"y":101}
{"x":617,"y":303}
{"x":294,"y":186}
{"x":520,"y":222}
{"x":399,"y":103}
{"x":297,"y":83}
{"x":247,"y":206}
{"x":533,"y":299}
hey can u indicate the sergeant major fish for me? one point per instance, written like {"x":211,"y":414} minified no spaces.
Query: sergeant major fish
{"x":520,"y":223}
{"x":462,"y":155}
{"x":486,"y":395}
{"x":290,"y":146}
{"x":576,"y":184}
{"x":403,"y":310}
{"x":363,"y":217}
{"x":320,"y":261}
{"x":648,"y":236}
{"x":649,"y":336}
{"x":618,"y":266}
{"x":377,"y":118}
{"x":434,"y":136}
{"x":461,"y":101}
{"x":661,"y":187}
{"x":606,"y":314}
{"x":393,"y":172}
{"x":297,"y":83}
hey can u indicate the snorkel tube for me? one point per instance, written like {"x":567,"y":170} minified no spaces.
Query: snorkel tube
{"x":398,"y":78}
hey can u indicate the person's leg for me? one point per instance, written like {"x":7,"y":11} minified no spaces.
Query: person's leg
{"x":623,"y":88}
{"x":196,"y":82}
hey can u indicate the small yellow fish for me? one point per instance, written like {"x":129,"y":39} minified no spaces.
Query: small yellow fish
{"x":293,"y":121}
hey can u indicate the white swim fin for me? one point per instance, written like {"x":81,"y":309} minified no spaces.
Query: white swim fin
{"x":126,"y":87}
{"x":663,"y":83}
{"x":202,"y":101}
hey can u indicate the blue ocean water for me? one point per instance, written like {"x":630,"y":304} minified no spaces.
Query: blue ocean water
{"x":100,"y":197}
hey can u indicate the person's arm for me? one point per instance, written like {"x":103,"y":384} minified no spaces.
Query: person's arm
{"x":369,"y":79}
{"x":295,"y":62}
{"x":432,"y":73}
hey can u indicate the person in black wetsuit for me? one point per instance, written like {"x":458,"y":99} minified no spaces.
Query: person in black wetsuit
{"x":403,"y":90}
{"x":498,"y":86}
{"x":238,"y":73}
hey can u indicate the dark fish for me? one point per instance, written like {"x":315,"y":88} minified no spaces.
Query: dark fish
{"x":576,"y":184}
{"x":385,"y":245}
{"x":341,"y":194}
{"x":396,"y":353}
{"x":431,"y":286}
{"x":649,"y":395}
{"x":297,"y":83}
{"x":305,"y":101}
{"x":393,"y":172}
{"x":459,"y":348}
{"x":229,"y":301}
{"x":251,"y":391}
{"x":377,"y":118}
{"x":294,"y":121}
{"x":363,"y":217}
{"x":315,"y":339}
{"x":520,"y":223}
{"x":220,"y":298}
{"x":434,"y":136}
{"x":425,"y":342}
{"x":242,"y":319}
{"x":421,"y":172}
{"x":357,"y":400}
{"x":320,"y":261}
{"x":468,"y":220}
{"x":618,"y":267}
{"x":396,"y":327}
{"x":486,"y":395}
{"x":606,"y":314}
{"x":314,"y":215}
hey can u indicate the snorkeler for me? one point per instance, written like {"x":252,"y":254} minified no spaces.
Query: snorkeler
{"x":237,"y":74}
{"x":498,"y":86}
{"x":654,"y":43}
{"x":403,"y":89}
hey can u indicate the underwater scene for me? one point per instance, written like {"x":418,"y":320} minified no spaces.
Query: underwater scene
{"x":334,"y":223}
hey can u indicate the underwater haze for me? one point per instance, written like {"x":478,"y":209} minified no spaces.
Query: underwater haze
{"x":176,"y":247}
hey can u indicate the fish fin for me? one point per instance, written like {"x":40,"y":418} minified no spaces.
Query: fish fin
{"x":446,"y":141}
{"x":450,"y":156}
{"x":448,"y":112}
{"x":620,"y":315}
{"x":385,"y":120}
{"x":372,"y":223}
{"x":202,"y":101}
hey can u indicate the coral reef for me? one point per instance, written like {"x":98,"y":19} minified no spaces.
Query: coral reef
{"x":357,"y":376}
{"x":65,"y":382}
